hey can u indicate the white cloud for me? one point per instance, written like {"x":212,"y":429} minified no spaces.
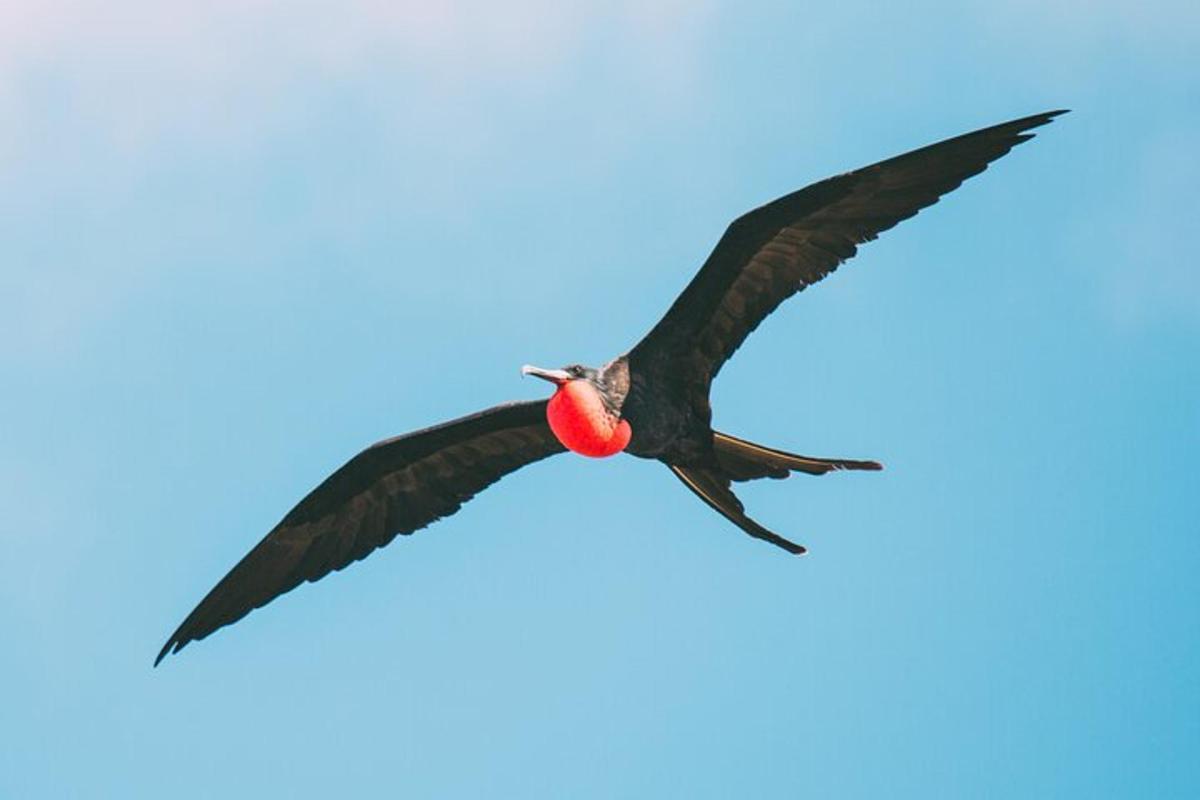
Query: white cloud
{"x":138,"y":69}
{"x":95,"y":94}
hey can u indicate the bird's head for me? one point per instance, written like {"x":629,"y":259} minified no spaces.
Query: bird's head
{"x":560,"y":377}
{"x":583,"y":413}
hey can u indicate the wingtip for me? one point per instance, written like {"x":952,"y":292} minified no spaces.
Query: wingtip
{"x":161,"y":655}
{"x":1045,"y":118}
{"x":166,"y":650}
{"x":1021,"y":129}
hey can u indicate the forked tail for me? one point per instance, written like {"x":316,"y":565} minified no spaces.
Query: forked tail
{"x":739,"y":460}
{"x":713,"y":488}
{"x":746,"y":461}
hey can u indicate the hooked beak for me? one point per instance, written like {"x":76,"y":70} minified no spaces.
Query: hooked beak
{"x":555,"y":376}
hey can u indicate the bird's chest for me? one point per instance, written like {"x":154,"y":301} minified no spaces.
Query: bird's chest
{"x":665,"y":425}
{"x":584,"y":424}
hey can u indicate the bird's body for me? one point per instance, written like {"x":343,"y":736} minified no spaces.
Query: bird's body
{"x":651,"y":402}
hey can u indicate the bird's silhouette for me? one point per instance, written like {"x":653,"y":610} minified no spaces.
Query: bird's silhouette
{"x":651,"y":402}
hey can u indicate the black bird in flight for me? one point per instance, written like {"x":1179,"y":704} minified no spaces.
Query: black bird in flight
{"x":651,"y":402}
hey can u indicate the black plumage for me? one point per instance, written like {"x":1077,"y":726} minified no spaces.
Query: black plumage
{"x":660,"y":387}
{"x":394,"y":487}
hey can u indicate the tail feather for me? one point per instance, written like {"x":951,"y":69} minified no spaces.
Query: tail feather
{"x":746,"y":461}
{"x":713,"y":488}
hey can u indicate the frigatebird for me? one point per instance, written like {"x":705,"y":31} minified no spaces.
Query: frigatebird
{"x":651,"y":402}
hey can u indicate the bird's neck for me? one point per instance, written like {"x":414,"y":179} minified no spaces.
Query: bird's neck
{"x":584,"y":423}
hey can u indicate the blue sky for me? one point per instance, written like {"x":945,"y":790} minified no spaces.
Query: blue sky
{"x":239,"y":242}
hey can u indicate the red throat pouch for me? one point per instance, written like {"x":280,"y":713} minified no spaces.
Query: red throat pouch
{"x":579,"y":419}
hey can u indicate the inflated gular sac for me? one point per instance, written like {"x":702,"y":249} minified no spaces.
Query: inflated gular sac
{"x":582,"y":422}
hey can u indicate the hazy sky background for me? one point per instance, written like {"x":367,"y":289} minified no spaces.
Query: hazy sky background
{"x":241,"y":240}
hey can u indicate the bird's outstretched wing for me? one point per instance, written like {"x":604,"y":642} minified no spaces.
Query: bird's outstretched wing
{"x":394,"y":487}
{"x":776,"y":250}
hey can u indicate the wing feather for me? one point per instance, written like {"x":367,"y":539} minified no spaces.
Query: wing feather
{"x":772,"y":252}
{"x":394,"y":487}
